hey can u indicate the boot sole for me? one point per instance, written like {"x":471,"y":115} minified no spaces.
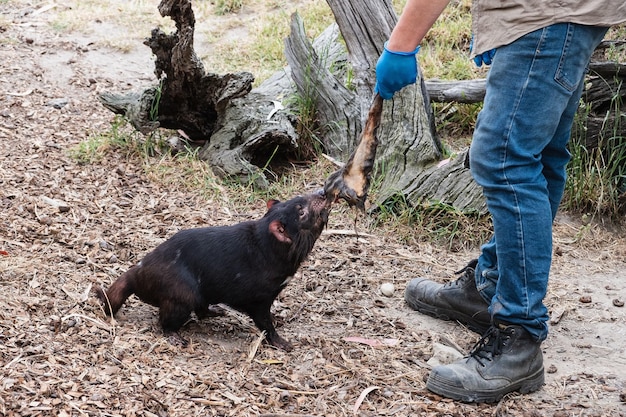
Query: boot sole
{"x":529,"y":384}
{"x":449,"y":315}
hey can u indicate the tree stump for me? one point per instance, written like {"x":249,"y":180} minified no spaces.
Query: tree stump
{"x":409,"y":153}
{"x":242,"y":131}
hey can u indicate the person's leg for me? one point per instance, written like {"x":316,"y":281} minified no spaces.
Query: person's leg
{"x":532,"y":85}
{"x":518,"y":156}
{"x":554,"y":159}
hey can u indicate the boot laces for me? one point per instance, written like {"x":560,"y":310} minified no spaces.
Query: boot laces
{"x":491,"y":344}
{"x":467,"y":271}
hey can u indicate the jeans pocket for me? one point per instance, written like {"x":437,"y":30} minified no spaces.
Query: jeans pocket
{"x":579,"y":43}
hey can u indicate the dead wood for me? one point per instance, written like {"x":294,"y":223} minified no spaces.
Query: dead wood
{"x":338,"y":113}
{"x":463,"y":91}
{"x":241,"y":132}
{"x":187,"y":98}
{"x":603,"y":94}
{"x":247,"y":134}
{"x":603,"y":116}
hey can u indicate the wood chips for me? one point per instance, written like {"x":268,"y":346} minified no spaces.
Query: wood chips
{"x":65,"y":227}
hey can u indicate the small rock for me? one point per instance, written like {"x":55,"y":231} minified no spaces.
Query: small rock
{"x":618,"y":303}
{"x":104,"y":245}
{"x":443,"y":355}
{"x":387,"y":393}
{"x":176,"y":144}
{"x":387,"y":289}
{"x":285,"y":396}
{"x":97,"y":397}
{"x":45,"y":220}
{"x":556,"y":315}
{"x":586,"y":299}
{"x":58,"y":103}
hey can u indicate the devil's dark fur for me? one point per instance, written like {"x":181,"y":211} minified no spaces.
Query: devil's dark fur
{"x":245,"y":266}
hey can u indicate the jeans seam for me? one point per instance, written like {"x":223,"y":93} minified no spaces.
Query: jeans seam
{"x":559,"y":77}
{"x":519,"y":223}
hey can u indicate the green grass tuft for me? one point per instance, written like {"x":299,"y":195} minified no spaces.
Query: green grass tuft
{"x":434,"y":221}
{"x":223,"y":7}
{"x":596,"y":174}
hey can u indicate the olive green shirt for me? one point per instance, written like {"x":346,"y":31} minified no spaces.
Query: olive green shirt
{"x":500,"y":22}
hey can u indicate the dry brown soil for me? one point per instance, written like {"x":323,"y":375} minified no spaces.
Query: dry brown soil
{"x":59,"y":355}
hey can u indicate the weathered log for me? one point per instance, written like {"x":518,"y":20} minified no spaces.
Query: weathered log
{"x":136,"y":106}
{"x":247,"y":131}
{"x":603,"y":116}
{"x":257,"y":133}
{"x":254,"y":137}
{"x":473,"y":91}
{"x":244,"y":134}
{"x":596,"y":129}
{"x":468,"y":91}
{"x":336,"y":109}
{"x":607,"y":69}
{"x":187,"y":98}
{"x":604,"y":92}
{"x":242,"y":131}
{"x":190,"y":98}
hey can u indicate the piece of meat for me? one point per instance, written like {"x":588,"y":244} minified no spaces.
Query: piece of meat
{"x":351,"y":183}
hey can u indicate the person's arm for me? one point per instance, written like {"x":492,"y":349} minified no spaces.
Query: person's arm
{"x":415,"y":21}
{"x":397,"y":67}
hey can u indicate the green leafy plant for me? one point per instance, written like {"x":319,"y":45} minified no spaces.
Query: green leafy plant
{"x":120,"y":136}
{"x":95,"y":147}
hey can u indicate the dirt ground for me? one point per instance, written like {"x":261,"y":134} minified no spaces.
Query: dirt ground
{"x":356,"y":352}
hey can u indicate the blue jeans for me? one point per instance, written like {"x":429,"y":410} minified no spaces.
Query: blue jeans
{"x":518,"y":155}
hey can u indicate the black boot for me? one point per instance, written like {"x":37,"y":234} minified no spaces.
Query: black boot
{"x":506,"y":359}
{"x":457,"y":300}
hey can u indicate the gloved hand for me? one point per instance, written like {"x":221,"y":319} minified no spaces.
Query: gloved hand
{"x":485,"y":57}
{"x":395,"y":70}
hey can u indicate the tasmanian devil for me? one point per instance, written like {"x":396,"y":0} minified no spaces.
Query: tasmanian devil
{"x":245,"y":266}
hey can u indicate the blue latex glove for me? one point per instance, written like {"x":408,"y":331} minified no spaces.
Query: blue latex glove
{"x":395,"y":70}
{"x":485,"y":57}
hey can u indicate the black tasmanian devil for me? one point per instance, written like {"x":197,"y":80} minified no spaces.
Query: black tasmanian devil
{"x":245,"y":266}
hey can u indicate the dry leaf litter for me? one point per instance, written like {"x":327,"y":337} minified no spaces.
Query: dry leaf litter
{"x":65,"y":227}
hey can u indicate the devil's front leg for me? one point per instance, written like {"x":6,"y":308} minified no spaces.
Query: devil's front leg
{"x":263,"y":319}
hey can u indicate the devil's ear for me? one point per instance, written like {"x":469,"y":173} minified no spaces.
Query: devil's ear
{"x":271,"y":203}
{"x":278,"y":230}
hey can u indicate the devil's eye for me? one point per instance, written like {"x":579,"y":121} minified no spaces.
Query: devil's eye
{"x":301,"y":211}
